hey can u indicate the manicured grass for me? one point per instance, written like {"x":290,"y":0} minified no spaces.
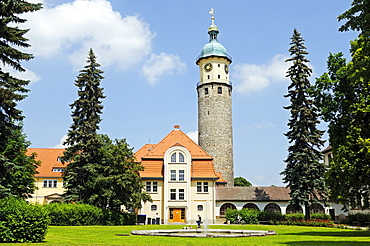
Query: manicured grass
{"x":287,"y":235}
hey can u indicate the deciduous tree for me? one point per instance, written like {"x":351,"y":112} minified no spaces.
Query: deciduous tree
{"x":242,"y":182}
{"x":304,"y":170}
{"x":343,"y":96}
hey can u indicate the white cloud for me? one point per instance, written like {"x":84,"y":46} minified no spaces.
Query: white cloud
{"x":193,"y":136}
{"x":163,"y":63}
{"x":26,"y":75}
{"x":252,"y":77}
{"x":60,"y":144}
{"x":260,"y":125}
{"x":73,"y":28}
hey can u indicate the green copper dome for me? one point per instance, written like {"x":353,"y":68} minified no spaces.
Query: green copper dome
{"x":213,"y":48}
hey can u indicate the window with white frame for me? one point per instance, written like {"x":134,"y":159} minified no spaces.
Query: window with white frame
{"x":173,"y":175}
{"x":177,"y":175}
{"x":181,"y":175}
{"x":152,"y":187}
{"x":58,"y":169}
{"x":177,"y":157}
{"x":181,"y":157}
{"x":181,"y":194}
{"x":50,"y":183}
{"x":172,"y":194}
{"x":177,"y":195}
{"x":202,"y":187}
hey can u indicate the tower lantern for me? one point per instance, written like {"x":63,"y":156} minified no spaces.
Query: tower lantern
{"x":214,"y":104}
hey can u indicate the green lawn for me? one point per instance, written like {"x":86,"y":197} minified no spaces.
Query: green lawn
{"x":287,"y":235}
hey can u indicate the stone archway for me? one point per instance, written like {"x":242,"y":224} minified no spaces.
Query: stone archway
{"x":226,"y":206}
{"x":250,"y":206}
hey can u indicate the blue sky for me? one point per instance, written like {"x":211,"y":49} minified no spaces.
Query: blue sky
{"x":148,"y":49}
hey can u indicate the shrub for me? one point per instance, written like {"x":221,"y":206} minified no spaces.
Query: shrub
{"x":294,"y":217}
{"x":320,"y":216}
{"x":267,"y":216}
{"x":74,"y":214}
{"x":249,"y":216}
{"x":22,"y":222}
{"x":113,"y":217}
{"x":358,"y":219}
{"x":231,"y":214}
{"x":67,"y":214}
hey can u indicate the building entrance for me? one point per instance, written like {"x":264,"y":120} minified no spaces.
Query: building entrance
{"x":177,"y":215}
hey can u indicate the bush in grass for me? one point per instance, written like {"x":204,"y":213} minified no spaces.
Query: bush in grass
{"x":73,"y":214}
{"x":294,"y":217}
{"x":358,"y":219}
{"x":67,"y":214}
{"x":113,"y":217}
{"x":320,"y":216}
{"x":22,"y":222}
{"x":267,"y":216}
{"x":231,"y":214}
{"x":249,"y":216}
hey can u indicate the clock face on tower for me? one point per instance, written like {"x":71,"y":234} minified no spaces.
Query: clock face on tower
{"x":208,"y":67}
{"x":226,"y":69}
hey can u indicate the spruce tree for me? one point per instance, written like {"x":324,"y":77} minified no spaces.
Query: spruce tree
{"x":304,"y":170}
{"x":83,"y":153}
{"x":16,"y":169}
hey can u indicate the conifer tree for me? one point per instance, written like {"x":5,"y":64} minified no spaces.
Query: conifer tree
{"x":304,"y":170}
{"x":84,"y":144}
{"x":16,"y":169}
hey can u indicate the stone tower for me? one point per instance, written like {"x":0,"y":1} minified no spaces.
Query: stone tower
{"x":214,"y":105}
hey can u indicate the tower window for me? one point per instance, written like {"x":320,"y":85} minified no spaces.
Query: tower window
{"x":219,"y":76}
{"x":218,"y":65}
{"x":208,"y":76}
{"x":219,"y":90}
{"x":206,"y":91}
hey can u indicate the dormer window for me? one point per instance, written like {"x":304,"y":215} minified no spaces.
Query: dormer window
{"x":58,"y":169}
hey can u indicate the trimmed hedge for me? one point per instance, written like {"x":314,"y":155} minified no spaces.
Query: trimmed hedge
{"x":22,"y":222}
{"x":67,"y":214}
{"x":359,"y":219}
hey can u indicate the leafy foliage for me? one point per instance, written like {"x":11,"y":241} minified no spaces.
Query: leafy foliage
{"x":84,"y":144}
{"x":304,"y":171}
{"x":22,"y":222}
{"x":343,"y":97}
{"x":118,"y":181}
{"x":84,"y":214}
{"x":15,"y":166}
{"x":242,"y":182}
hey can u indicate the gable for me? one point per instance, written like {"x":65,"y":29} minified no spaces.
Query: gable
{"x":49,"y":160}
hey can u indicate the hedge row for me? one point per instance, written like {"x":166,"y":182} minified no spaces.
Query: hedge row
{"x":253,"y":216}
{"x":62,"y":214}
{"x":21,"y":222}
{"x":24,"y":222}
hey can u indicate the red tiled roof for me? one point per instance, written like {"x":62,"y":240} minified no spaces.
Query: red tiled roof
{"x":49,"y":160}
{"x":152,"y":156}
